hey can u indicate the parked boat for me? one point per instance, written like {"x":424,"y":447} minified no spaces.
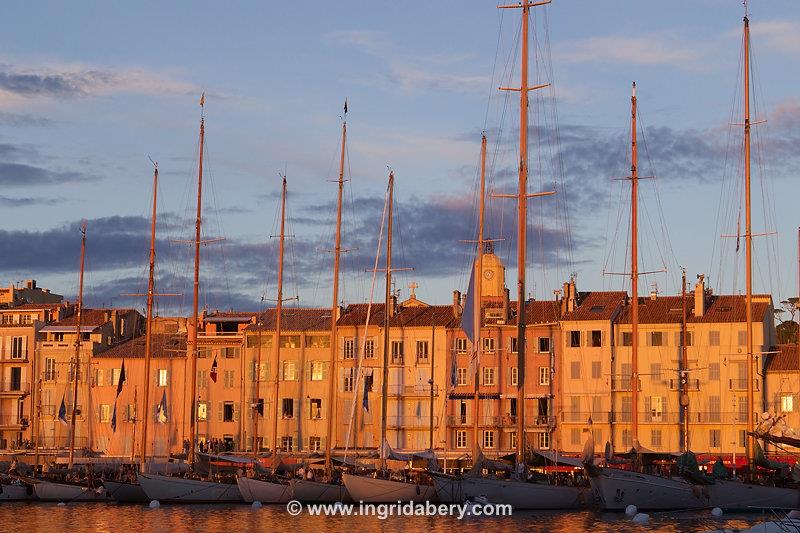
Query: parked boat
{"x":257,"y":490}
{"x":306,"y":490}
{"x":378,"y":490}
{"x":14,"y":492}
{"x":125,"y":491}
{"x":173,"y":489}
{"x":49,"y":491}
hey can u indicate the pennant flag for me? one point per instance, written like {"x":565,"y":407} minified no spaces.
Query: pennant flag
{"x":62,"y":412}
{"x":114,"y":418}
{"x":454,"y":370}
{"x":467,"y":315}
{"x":738,"y":231}
{"x":213,"y":373}
{"x":161,"y":411}
{"x":121,"y":379}
{"x":345,"y":106}
{"x":203,"y":99}
{"x":367,"y":387}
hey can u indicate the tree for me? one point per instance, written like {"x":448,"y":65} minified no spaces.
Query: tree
{"x":787,"y":332}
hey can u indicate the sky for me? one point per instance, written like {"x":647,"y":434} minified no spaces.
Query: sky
{"x":91,"y":92}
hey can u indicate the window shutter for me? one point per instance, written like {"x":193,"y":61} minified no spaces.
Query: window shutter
{"x":236,"y":410}
{"x":325,"y":370}
{"x":220,"y":410}
{"x":341,"y":379}
{"x":647,"y":408}
{"x":295,"y":410}
{"x":305,"y":443}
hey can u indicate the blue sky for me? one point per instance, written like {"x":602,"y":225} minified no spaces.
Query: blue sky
{"x":89,"y":91}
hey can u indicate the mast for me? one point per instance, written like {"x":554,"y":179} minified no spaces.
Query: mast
{"x":337,"y":250}
{"x":148,"y":338}
{"x":133,"y":437}
{"x":748,"y":239}
{"x":278,"y":310}
{"x":76,"y":367}
{"x":387,"y":316}
{"x":634,"y":276}
{"x":196,"y":293}
{"x":431,"y":383}
{"x":37,"y":407}
{"x":796,"y":305}
{"x":476,"y":304}
{"x":684,"y":373}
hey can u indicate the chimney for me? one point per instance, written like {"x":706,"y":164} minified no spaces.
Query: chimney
{"x":393,"y":305}
{"x":506,"y":298}
{"x":564,"y":297}
{"x":654,"y":295}
{"x":456,"y":303}
{"x":571,"y":294}
{"x":700,"y":296}
{"x":31,"y":283}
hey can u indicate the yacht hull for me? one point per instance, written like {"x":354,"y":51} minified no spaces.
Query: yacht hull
{"x":47,"y":491}
{"x":518,"y":494}
{"x":305,"y":490}
{"x":126,"y":492}
{"x":256,"y":490}
{"x":13,"y":492}
{"x":375,"y":490}
{"x":168,"y":489}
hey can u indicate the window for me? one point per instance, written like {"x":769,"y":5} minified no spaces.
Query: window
{"x":461,"y":345}
{"x":58,"y":337}
{"x":105,"y":413}
{"x":348,"y":379}
{"x":714,"y":438}
{"x":318,"y":341}
{"x":655,"y":438}
{"x":397,"y":352}
{"x":98,"y":377}
{"x":544,"y":375}
{"x":742,"y":438}
{"x":544,"y":344}
{"x":713,"y":371}
{"x":228,"y":414}
{"x":317,"y":370}
{"x":25,"y":319}
{"x":461,"y":438}
{"x":316,"y":409}
{"x":512,"y":439}
{"x":512,"y":408}
{"x":229,"y":379}
{"x":597,"y":367}
{"x":513,"y":344}
{"x":369,"y":348}
{"x":202,"y":378}
{"x":626,"y":409}
{"x":574,"y":339}
{"x":422,"y":351}
{"x":656,"y":407}
{"x":575,"y":436}
{"x":655,"y":371}
{"x":115,"y":372}
{"x":713,"y":338}
{"x":203,"y":352}
{"x":315,"y":444}
{"x":627,"y":338}
{"x":287,"y":408}
{"x":742,"y":409}
{"x":544,"y":441}
{"x":290,"y":341}
{"x":488,"y":345}
{"x":787,"y":403}
{"x":163,"y":377}
{"x":713,"y":409}
{"x":50,"y":369}
{"x":597,"y":338}
{"x":462,"y":410}
{"x":130,"y":412}
{"x":461,"y":376}
{"x":488,"y":439}
{"x":514,"y":371}
{"x":289,"y":371}
{"x":230,"y":353}
{"x":287,"y":443}
{"x":575,"y":408}
{"x":656,"y":338}
{"x":349,"y":348}
{"x":18,"y":347}
{"x":575,"y":370}
{"x":678,"y":338}
{"x":742,"y":338}
{"x":626,"y":438}
{"x":202,"y":410}
{"x":488,"y":376}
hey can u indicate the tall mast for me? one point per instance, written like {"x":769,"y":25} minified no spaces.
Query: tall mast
{"x":684,"y":373}
{"x":748,"y":239}
{"x":337,"y":250}
{"x":278,"y":310}
{"x":387,"y":316}
{"x":196,"y":294}
{"x":634,"y":275}
{"x":796,"y":305}
{"x":148,"y":338}
{"x":522,"y":220}
{"x":476,"y":304}
{"x":431,"y":383}
{"x":76,"y":366}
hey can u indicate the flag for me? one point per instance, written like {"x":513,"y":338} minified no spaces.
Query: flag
{"x":62,"y":412}
{"x":738,"y":232}
{"x":203,"y":99}
{"x":161,"y":411}
{"x":367,"y":388}
{"x":121,"y":379}
{"x":114,"y":418}
{"x":213,"y":373}
{"x":467,"y":314}
{"x":345,"y":106}
{"x":454,"y":370}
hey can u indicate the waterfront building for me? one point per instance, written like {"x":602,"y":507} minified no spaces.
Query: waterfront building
{"x":782,"y":394}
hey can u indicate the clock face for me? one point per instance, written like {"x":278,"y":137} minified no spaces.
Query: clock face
{"x":488,"y":274}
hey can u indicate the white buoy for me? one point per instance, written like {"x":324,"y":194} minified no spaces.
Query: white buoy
{"x":794,"y":514}
{"x":155,"y":504}
{"x":630,"y":511}
{"x":61,"y":503}
{"x":257,"y":505}
{"x":716,"y":512}
{"x":641,"y":518}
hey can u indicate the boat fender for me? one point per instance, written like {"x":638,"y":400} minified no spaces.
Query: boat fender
{"x":631,"y":510}
{"x":155,"y":504}
{"x":794,"y":514}
{"x":61,"y":504}
{"x":256,"y":505}
{"x":716,"y":512}
{"x":641,"y":518}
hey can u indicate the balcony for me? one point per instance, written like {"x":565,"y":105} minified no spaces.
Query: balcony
{"x":582,"y":417}
{"x":741,"y":384}
{"x":410,"y":422}
{"x":459,"y":420}
{"x":15,"y":358}
{"x":14,"y":388}
{"x":692,"y":384}
{"x":413,"y":390}
{"x":13,"y":422}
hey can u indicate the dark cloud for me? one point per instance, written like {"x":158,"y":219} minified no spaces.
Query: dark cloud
{"x":56,"y":85}
{"x":24,"y":175}
{"x":9,"y":202}
{"x":19,"y":120}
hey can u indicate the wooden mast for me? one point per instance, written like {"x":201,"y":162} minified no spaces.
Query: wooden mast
{"x":387,"y":316}
{"x":337,"y":250}
{"x":476,"y":305}
{"x":148,"y":339}
{"x":748,"y":239}
{"x":684,"y":372}
{"x":634,"y":276}
{"x":76,"y":364}
{"x":431,"y":384}
{"x":278,"y":311}
{"x":196,"y":291}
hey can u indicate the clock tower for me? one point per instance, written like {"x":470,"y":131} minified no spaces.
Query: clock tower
{"x":494,"y":273}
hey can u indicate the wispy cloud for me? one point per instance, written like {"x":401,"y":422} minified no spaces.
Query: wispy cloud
{"x":26,"y":176}
{"x":10,"y":202}
{"x":657,"y":49}
{"x":778,"y":35}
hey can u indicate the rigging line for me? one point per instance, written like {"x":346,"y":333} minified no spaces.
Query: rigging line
{"x":494,"y":67}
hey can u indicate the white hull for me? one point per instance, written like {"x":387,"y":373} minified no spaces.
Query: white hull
{"x":518,"y":494}
{"x":13,"y":492}
{"x":256,"y":490}
{"x":314,"y":491}
{"x":48,"y":491}
{"x":170,"y":489}
{"x":738,"y":495}
{"x":126,"y":492}
{"x":375,"y":490}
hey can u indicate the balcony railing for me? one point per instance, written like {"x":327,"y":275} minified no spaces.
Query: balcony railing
{"x":13,"y":420}
{"x":459,"y":420}
{"x":412,"y":390}
{"x":17,"y":387}
{"x":410,"y":422}
{"x":741,"y":384}
{"x":583,"y":416}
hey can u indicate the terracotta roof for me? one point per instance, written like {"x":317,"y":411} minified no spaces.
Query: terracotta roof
{"x":662,"y":310}
{"x":785,"y":360}
{"x":294,"y":319}
{"x":89,"y":317}
{"x":37,"y":306}
{"x":432,"y":315}
{"x":230,"y":316}
{"x":598,"y":305}
{"x":732,"y":308}
{"x":165,"y":345}
{"x":537,"y":312}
